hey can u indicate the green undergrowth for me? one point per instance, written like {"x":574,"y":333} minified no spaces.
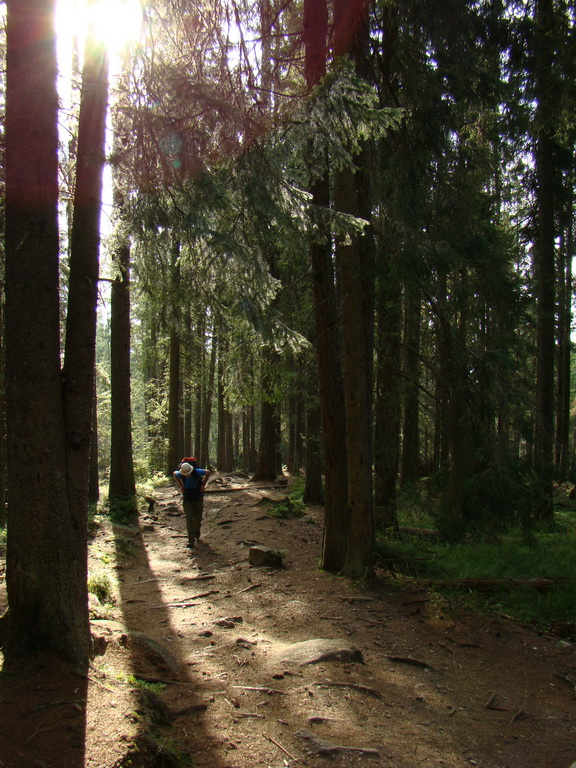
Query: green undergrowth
{"x":549,"y":554}
{"x":156,"y":751}
{"x":292,"y":505}
{"x":100,"y":584}
{"x":124,"y":511}
{"x":147,"y":484}
{"x":144,"y":685}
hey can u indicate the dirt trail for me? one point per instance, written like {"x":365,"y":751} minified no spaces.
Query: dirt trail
{"x":428,"y":686}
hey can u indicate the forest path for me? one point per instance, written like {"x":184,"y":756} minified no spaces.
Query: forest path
{"x":435,"y":686}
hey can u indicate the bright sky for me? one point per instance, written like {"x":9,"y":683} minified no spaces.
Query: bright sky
{"x":117,"y":23}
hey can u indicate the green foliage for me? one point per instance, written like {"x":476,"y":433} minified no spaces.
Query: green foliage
{"x":296,"y":488}
{"x":156,"y":751}
{"x":150,"y":483}
{"x":550,"y":556}
{"x":293,"y":505}
{"x":142,"y":473}
{"x":406,"y":555}
{"x":100,"y":584}
{"x":144,"y":685}
{"x":488,"y":502}
{"x":414,"y":503}
{"x":341,"y":114}
{"x":122,"y":510}
{"x":286,"y":508}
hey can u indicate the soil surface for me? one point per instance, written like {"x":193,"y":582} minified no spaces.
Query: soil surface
{"x":414,"y":682}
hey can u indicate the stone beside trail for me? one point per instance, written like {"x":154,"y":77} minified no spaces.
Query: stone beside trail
{"x":315,"y":651}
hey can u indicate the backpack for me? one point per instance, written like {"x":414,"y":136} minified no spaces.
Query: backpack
{"x":192,"y":493}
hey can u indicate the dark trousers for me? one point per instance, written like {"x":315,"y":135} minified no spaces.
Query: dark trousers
{"x":193,"y":511}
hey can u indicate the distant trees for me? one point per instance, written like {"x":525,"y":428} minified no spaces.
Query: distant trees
{"x":427,"y":120}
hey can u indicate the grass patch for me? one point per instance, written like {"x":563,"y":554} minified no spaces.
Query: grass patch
{"x":549,"y":555}
{"x":414,"y":505}
{"x":148,"y":483}
{"x":144,"y":685}
{"x":122,"y":510}
{"x":286,"y":509}
{"x":100,"y":585}
{"x":157,"y":751}
{"x":293,"y":505}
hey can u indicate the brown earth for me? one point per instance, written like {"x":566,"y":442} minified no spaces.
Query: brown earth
{"x":434,"y":685}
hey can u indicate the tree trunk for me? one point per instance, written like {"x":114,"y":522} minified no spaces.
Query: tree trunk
{"x":328,"y":348}
{"x":150,"y":376}
{"x":3,"y":445}
{"x":267,"y":448}
{"x":313,"y":490}
{"x":355,"y":281}
{"x":229,"y":441}
{"x":246,"y":440}
{"x":410,"y":466}
{"x":80,"y":348}
{"x":207,"y":407}
{"x":174,"y":437}
{"x":94,"y":486}
{"x":41,"y":551}
{"x":236,"y":441}
{"x":188,"y":393}
{"x":80,"y":356}
{"x":291,"y":414}
{"x":300,"y":420}
{"x":267,"y":462}
{"x":387,"y":405}
{"x":544,"y":266}
{"x":442,"y":384}
{"x":356,"y":388}
{"x":198,"y":352}
{"x":295,"y":416}
{"x":221,"y":437}
{"x":174,"y":427}
{"x":563,"y":456}
{"x":249,"y":439}
{"x":327,"y":340}
{"x":225,"y":448}
{"x":122,"y":487}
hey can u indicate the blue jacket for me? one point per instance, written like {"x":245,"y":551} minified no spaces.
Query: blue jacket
{"x":192,"y":481}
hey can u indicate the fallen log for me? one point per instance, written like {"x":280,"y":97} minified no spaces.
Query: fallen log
{"x":318,"y":746}
{"x":424,"y":533}
{"x":208,"y":491}
{"x":492,"y":585}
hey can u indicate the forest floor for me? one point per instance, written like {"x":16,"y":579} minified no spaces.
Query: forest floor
{"x":424,"y":682}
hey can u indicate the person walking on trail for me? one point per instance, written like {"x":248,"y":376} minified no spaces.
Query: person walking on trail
{"x":192,"y":480}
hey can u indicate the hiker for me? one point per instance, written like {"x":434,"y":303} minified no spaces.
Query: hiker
{"x":192,"y":480}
